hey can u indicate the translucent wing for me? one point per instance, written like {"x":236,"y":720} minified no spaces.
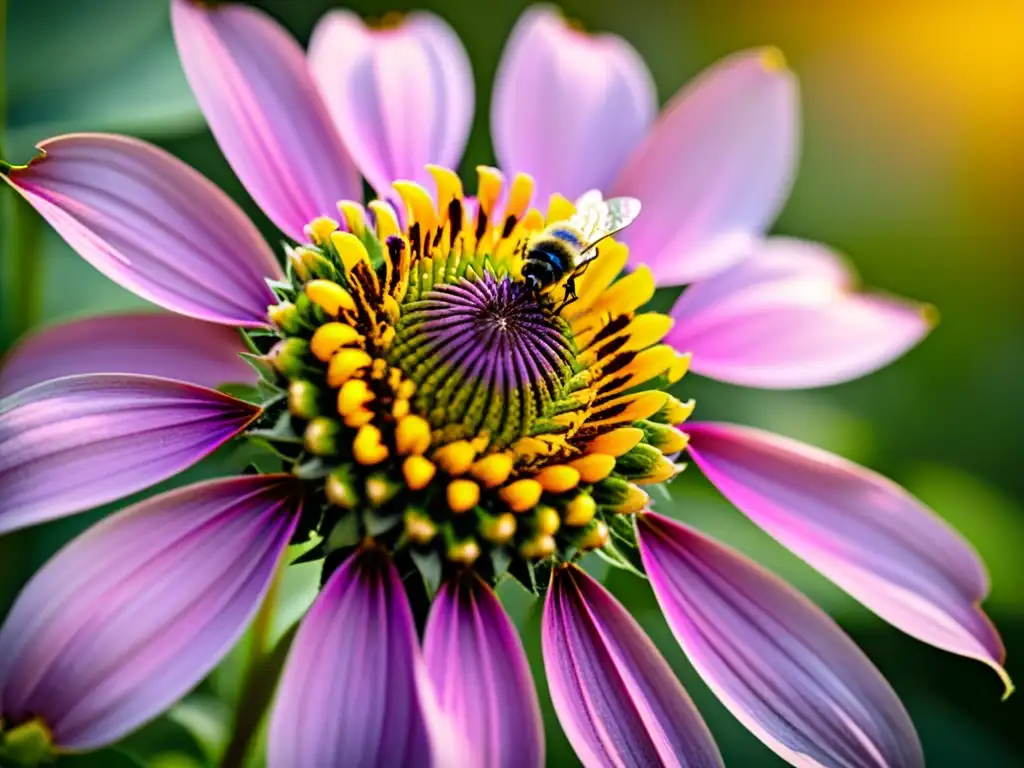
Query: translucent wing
{"x":604,"y":218}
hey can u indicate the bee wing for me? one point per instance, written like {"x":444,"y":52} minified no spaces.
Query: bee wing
{"x":604,"y":218}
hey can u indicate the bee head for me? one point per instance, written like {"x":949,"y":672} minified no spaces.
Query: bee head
{"x":532,"y":282}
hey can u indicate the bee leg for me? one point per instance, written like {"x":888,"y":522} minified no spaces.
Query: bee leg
{"x":570,"y":293}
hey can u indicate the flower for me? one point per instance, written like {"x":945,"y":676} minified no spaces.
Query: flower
{"x":433,"y":425}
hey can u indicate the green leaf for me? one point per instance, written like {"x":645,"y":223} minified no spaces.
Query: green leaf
{"x":208,"y":719}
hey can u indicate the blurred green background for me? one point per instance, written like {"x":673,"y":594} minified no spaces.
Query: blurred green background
{"x":913,"y":165}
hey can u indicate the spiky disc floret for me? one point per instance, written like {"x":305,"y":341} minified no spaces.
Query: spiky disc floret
{"x":439,"y":407}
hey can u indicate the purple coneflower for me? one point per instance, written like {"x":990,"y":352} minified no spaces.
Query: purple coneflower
{"x":433,"y":427}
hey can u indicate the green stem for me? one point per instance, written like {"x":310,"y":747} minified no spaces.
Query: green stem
{"x":21,"y":270}
{"x":3,"y":74}
{"x":260,"y":679}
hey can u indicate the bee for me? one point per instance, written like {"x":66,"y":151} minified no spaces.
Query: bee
{"x":561,"y":250}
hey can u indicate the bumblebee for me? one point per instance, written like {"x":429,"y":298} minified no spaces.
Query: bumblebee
{"x":561,"y":250}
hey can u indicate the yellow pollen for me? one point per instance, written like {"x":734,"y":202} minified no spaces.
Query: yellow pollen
{"x":540,"y":546}
{"x":559,"y":208}
{"x":355,"y":217}
{"x":351,"y":250}
{"x":464,"y":552}
{"x":400,"y":409}
{"x":673,"y":440}
{"x":546,"y":520}
{"x":646,"y":329}
{"x":594,"y":467}
{"x":412,"y":435}
{"x":449,"y":186}
{"x":380,"y":490}
{"x":462,"y":495}
{"x":352,"y":396}
{"x":345,"y":364}
{"x":679,"y":367}
{"x":678,"y":412}
{"x":580,"y":510}
{"x":392,"y":309}
{"x":387,"y":219}
{"x":319,"y":230}
{"x":637,"y":406}
{"x":662,"y":471}
{"x":339,"y":491}
{"x":418,"y":472}
{"x":420,"y":205}
{"x":558,"y":478}
{"x":492,"y":470}
{"x":500,"y":529}
{"x":519,"y":195}
{"x":367,"y":446}
{"x":319,"y":437}
{"x":488,"y":190}
{"x":419,"y":527}
{"x":306,"y":262}
{"x":616,"y":442}
{"x":283,"y":315}
{"x":636,"y":499}
{"x":358,"y":417}
{"x":455,"y":458}
{"x":329,"y":296}
{"x":407,"y":389}
{"x":522,"y":494}
{"x":302,"y":398}
{"x":330,"y":337}
{"x":595,"y":537}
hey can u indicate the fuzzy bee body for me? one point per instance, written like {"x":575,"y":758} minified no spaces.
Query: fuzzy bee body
{"x":561,"y":250}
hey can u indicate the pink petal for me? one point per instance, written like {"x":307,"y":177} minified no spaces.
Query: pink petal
{"x":616,"y":697}
{"x":568,"y":107}
{"x":715,"y":170}
{"x":172,"y":346}
{"x":788,"y":318}
{"x":354,"y":683}
{"x":859,"y":529}
{"x":74,"y":443}
{"x":153,"y":225}
{"x":129,"y":616}
{"x":776,"y":661}
{"x":400,"y":97}
{"x":251,"y":80}
{"x":481,"y":676}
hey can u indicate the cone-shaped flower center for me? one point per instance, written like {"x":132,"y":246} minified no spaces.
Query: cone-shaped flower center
{"x":485,"y":356}
{"x":438,"y":403}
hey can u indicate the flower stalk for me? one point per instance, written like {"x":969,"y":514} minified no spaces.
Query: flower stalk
{"x":21,"y":269}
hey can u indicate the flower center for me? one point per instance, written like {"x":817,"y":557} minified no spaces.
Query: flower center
{"x":443,"y":406}
{"x":484,"y":356}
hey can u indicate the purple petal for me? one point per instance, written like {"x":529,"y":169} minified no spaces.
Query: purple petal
{"x":568,"y":107}
{"x":617,"y":699}
{"x":788,"y":317}
{"x":401,"y":97}
{"x":74,"y":443}
{"x":129,"y":616}
{"x":153,"y":225}
{"x":252,"y":82}
{"x":354,"y":683}
{"x":859,"y":529}
{"x":481,"y":676}
{"x":715,"y":170}
{"x":172,"y":346}
{"x":776,"y":661}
